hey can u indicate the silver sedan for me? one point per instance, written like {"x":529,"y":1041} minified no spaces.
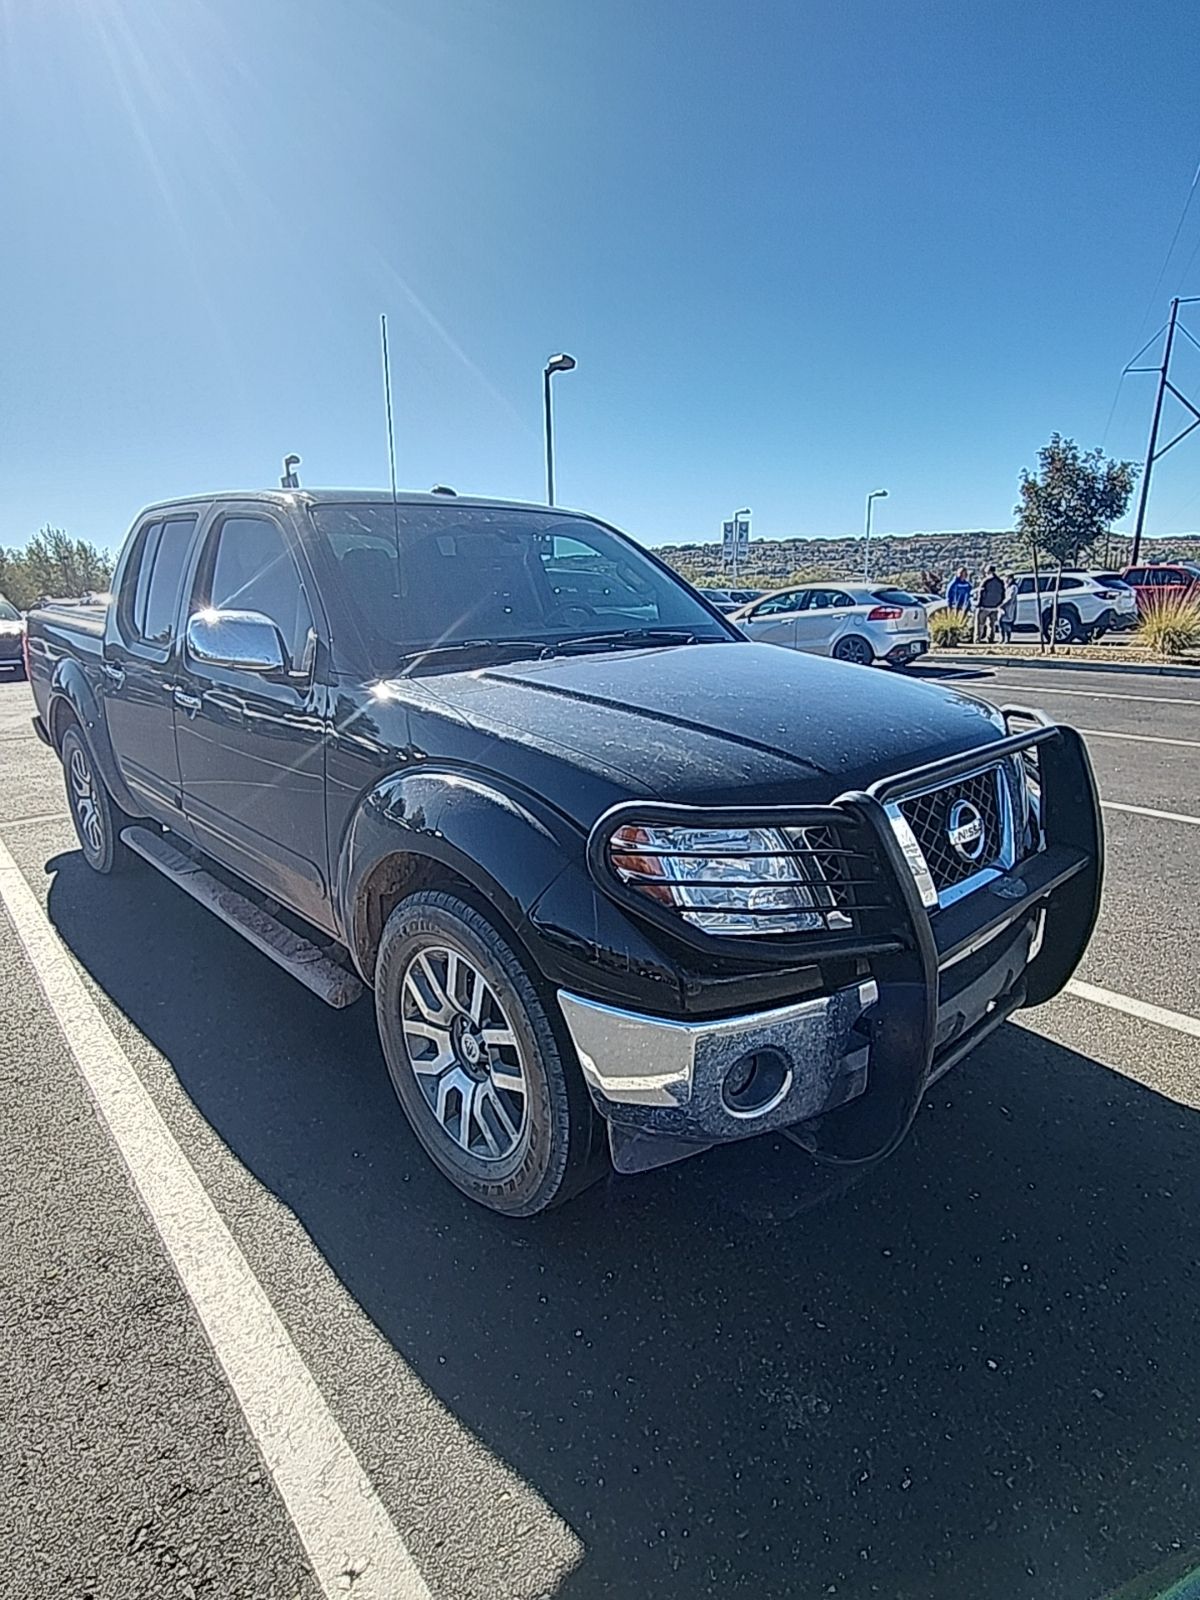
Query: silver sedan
{"x":859,"y":622}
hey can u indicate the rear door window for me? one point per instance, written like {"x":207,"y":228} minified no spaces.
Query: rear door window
{"x":150,"y":594}
{"x":156,"y":624}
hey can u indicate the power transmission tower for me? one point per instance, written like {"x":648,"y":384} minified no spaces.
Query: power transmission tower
{"x":1153,"y":453}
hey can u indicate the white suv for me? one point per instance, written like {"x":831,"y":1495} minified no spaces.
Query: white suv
{"x":1090,"y":604}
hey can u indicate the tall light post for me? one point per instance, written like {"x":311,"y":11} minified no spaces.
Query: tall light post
{"x":875,"y":494}
{"x":559,"y":363}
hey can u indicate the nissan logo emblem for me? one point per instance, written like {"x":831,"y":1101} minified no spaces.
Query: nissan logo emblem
{"x":965,"y":830}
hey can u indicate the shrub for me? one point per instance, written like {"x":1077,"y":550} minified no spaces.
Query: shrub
{"x":1171,"y":626}
{"x":948,"y":628}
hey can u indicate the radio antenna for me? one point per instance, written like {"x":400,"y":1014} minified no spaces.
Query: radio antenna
{"x":391,"y":431}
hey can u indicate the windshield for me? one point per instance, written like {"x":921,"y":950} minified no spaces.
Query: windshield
{"x":497,"y":574}
{"x":8,"y":612}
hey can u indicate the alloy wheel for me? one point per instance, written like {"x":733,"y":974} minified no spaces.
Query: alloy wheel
{"x":83,"y":800}
{"x":464,"y":1053}
{"x":855,"y":650}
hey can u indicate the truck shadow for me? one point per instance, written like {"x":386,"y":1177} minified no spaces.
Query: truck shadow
{"x":973,"y":1373}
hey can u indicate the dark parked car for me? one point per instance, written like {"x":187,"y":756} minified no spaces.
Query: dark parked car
{"x":625,"y":884}
{"x":12,"y":637}
{"x":721,"y":598}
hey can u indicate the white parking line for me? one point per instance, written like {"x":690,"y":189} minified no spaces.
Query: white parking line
{"x":1178,"y":1021}
{"x":1138,"y":738}
{"x":1101,"y":694}
{"x":1149,"y":811}
{"x":351,"y":1541}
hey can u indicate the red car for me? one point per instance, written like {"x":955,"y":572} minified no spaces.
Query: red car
{"x":1163,"y":580}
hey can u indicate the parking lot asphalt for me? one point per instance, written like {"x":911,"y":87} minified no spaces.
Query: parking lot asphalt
{"x":972,"y":1372}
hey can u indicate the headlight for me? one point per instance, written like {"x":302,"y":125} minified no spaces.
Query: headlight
{"x":729,"y":880}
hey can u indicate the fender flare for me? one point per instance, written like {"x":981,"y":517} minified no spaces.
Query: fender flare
{"x":507,"y":845}
{"x":69,"y":686}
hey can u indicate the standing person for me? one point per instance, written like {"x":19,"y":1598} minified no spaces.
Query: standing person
{"x":958,"y":595}
{"x":1008,"y":610}
{"x":991,"y":598}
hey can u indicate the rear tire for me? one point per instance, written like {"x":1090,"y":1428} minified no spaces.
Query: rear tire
{"x":854,"y":648}
{"x":486,"y":1080}
{"x":97,"y":818}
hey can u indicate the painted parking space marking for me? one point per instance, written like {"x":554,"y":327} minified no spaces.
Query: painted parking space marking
{"x":350,"y":1540}
{"x":1149,"y":811}
{"x":1138,"y":738}
{"x":1103,"y":694}
{"x":1177,"y":1021}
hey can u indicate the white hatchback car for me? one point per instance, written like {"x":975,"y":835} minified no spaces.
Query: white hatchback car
{"x":858,"y":622}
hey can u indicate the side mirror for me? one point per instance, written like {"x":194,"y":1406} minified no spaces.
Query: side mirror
{"x":244,"y":640}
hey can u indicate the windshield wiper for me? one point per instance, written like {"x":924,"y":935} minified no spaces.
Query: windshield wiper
{"x":458,"y":647}
{"x":623,"y":639}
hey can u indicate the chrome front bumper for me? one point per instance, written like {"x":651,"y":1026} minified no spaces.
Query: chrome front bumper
{"x":655,"y":1076}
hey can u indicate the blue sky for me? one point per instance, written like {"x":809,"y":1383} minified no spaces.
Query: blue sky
{"x":800,"y":249}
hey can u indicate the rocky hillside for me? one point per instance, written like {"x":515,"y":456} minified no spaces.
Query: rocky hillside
{"x":776,"y":561}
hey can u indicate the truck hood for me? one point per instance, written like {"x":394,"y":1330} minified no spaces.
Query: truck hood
{"x":703,"y":725}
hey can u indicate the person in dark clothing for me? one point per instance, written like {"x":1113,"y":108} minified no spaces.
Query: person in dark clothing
{"x":991,"y":598}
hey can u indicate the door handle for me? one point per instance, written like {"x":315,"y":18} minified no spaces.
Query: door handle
{"x":187,"y":702}
{"x":114,"y":673}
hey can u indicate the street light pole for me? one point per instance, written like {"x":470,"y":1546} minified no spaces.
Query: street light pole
{"x":875,"y":494}
{"x":559,"y":363}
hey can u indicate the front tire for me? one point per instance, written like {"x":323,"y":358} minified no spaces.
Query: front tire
{"x":98,"y":820}
{"x":854,"y":648}
{"x":1067,"y":629}
{"x":494,"y":1098}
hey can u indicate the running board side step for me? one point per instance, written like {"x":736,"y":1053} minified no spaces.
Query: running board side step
{"x":334,"y":984}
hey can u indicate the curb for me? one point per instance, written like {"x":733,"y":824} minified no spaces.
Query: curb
{"x":1058,"y":664}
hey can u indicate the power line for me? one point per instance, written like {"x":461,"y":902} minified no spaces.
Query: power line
{"x":1171,"y":247}
{"x":1125,"y":371}
{"x":1188,"y":268}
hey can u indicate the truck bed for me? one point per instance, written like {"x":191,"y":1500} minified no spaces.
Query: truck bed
{"x":64,"y":629}
{"x":71,"y":616}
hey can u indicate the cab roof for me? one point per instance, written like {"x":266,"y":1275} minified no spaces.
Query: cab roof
{"x":287,"y":498}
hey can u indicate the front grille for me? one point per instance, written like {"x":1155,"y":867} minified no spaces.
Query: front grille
{"x":934,"y":815}
{"x":843,"y":869}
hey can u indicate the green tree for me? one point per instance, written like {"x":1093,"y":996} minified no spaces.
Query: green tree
{"x":1073,"y":499}
{"x":1070,"y":503}
{"x":53,"y":563}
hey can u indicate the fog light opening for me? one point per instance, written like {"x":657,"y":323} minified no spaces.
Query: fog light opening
{"x":756,"y":1083}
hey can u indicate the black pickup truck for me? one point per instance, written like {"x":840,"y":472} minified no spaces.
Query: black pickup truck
{"x":625,"y":885}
